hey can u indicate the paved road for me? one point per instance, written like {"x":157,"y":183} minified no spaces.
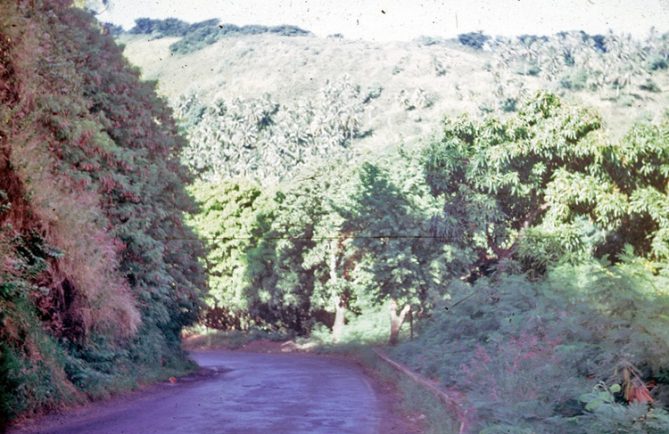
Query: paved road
{"x":246,"y":393}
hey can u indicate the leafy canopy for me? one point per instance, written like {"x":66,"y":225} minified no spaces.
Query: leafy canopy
{"x":550,"y":166}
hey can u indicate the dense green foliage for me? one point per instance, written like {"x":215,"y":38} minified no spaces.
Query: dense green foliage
{"x":475,"y":40}
{"x":531,"y":249}
{"x":285,"y":258}
{"x":227,"y":222}
{"x":554,"y":341}
{"x":262,"y":140}
{"x":167,"y":27}
{"x":98,"y":273}
{"x":199,"y":35}
{"x":261,"y":262}
{"x":546,"y":169}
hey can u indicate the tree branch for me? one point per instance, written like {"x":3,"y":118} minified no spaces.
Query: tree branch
{"x":503,"y":253}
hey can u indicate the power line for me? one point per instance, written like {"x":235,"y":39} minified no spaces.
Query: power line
{"x":332,"y":237}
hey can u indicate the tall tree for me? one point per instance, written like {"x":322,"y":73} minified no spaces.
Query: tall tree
{"x":390,"y":222}
{"x":550,"y":166}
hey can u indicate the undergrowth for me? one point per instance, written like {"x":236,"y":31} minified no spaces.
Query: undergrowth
{"x":202,"y":338}
{"x":527,"y":356}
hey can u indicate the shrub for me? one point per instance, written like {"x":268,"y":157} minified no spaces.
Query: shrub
{"x":575,"y":80}
{"x":509,"y":105}
{"x":160,"y":28}
{"x":657,"y":63}
{"x":439,"y":68}
{"x":113,"y":29}
{"x":287,"y":30}
{"x":528,"y":355}
{"x":650,"y":86}
{"x":200,"y":35}
{"x":475,"y":40}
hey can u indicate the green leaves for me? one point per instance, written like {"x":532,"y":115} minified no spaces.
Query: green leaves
{"x":261,"y":140}
{"x":226,"y":222}
{"x":551,"y":164}
{"x":600,"y":395}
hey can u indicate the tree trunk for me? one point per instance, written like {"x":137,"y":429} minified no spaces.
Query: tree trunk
{"x":396,"y":321}
{"x":340,"y":306}
{"x":338,"y":326}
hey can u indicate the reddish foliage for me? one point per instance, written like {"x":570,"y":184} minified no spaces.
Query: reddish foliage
{"x":638,"y":393}
{"x":84,"y":139}
{"x":510,"y":360}
{"x":634,"y":389}
{"x":107,"y":184}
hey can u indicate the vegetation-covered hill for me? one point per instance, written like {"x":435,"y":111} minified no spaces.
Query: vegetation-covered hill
{"x":374,"y":96}
{"x":98,"y":273}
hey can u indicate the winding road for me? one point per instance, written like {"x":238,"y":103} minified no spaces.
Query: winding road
{"x":241,"y":393}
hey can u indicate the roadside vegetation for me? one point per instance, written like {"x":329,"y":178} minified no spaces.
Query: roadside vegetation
{"x":98,"y":273}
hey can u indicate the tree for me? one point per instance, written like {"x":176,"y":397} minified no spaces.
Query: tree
{"x":547,"y":169}
{"x":224,"y":221}
{"x":94,"y":6}
{"x":259,"y":139}
{"x":397,"y":257}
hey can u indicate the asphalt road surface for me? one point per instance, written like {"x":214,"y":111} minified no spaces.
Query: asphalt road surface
{"x":241,"y":393}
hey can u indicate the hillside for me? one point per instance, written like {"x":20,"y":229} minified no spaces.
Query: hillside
{"x":98,"y":273}
{"x":403,"y":90}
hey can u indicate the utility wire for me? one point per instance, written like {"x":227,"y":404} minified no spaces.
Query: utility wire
{"x":368,"y":237}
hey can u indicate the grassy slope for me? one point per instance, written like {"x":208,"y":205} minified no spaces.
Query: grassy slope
{"x":293,"y":68}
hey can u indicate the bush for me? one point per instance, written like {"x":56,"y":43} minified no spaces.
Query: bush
{"x":575,"y":80}
{"x":658,"y":63}
{"x":286,"y":30}
{"x":160,"y":28}
{"x":650,"y":86}
{"x":475,"y":40}
{"x":509,"y":105}
{"x":531,"y":69}
{"x":529,"y":355}
{"x":112,"y":29}
{"x":200,"y":35}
